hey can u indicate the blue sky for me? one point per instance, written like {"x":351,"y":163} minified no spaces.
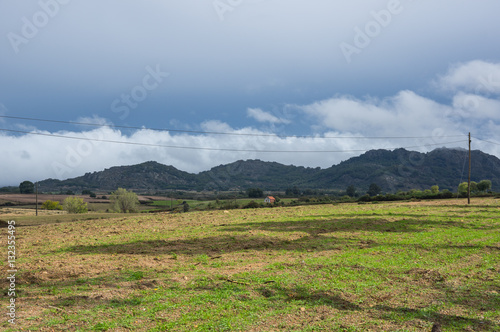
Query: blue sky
{"x":287,"y":67}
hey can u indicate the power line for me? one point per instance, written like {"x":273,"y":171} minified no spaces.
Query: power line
{"x":482,"y":140}
{"x":218,"y":133}
{"x":207,"y":148}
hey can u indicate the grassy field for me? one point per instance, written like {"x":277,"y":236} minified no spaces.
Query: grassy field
{"x":347,"y":267}
{"x":202,"y":205}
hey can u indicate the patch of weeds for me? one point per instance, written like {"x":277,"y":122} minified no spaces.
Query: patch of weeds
{"x":135,"y":301}
{"x":103,"y":326}
{"x":134,"y":275}
{"x":202,"y":259}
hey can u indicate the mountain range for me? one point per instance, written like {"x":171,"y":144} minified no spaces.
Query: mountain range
{"x":395,"y":170}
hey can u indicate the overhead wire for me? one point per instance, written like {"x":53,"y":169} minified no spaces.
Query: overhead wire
{"x":211,"y":149}
{"x":486,"y":141}
{"x":216,"y":132}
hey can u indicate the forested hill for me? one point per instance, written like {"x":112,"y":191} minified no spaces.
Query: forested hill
{"x":391,"y":170}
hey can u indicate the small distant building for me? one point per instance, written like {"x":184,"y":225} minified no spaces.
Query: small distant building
{"x":270,"y":199}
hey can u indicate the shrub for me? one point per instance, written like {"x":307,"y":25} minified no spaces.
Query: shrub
{"x":364,"y":198}
{"x":124,"y":201}
{"x":51,"y":205}
{"x":346,"y":198}
{"x":446,"y":194}
{"x":75,"y":205}
{"x":229,"y":205}
{"x":252,"y":205}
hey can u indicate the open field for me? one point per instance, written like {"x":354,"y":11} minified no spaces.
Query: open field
{"x":96,"y":205}
{"x":346,"y":267}
{"x":202,"y":205}
{"x":30,"y":199}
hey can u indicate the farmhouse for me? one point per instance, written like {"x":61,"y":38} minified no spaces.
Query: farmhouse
{"x":269,"y":199}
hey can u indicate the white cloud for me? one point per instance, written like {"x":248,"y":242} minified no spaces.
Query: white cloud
{"x":34,"y":157}
{"x":262,"y":116}
{"x":405,"y":114}
{"x":478,"y":77}
{"x":471,"y":106}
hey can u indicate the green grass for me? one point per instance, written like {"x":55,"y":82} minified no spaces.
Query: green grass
{"x":347,"y":267}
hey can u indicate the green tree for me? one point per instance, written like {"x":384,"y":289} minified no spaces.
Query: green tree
{"x":435,"y":189}
{"x":473,"y":187}
{"x":374,"y":190}
{"x":351,"y":191}
{"x":463,"y":188}
{"x":295,"y":191}
{"x":75,"y":205}
{"x":124,"y":201}
{"x":255,"y":192}
{"x":484,"y":185}
{"x":26,"y":187}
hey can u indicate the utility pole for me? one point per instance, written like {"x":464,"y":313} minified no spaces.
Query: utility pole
{"x":468,"y":187}
{"x":36,"y":197}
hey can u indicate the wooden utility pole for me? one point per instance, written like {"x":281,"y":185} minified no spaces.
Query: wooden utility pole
{"x":468,"y":187}
{"x":36,"y":197}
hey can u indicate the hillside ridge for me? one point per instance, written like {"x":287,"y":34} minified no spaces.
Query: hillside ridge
{"x":395,"y":170}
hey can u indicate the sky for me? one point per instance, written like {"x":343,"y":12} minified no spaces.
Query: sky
{"x":196,"y":84}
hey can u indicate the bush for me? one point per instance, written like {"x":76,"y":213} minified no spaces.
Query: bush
{"x":346,"y":198}
{"x":252,"y":205}
{"x":446,"y":194}
{"x":364,"y":198}
{"x":124,"y":201}
{"x":229,"y":205}
{"x":51,"y":205}
{"x":75,"y":205}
